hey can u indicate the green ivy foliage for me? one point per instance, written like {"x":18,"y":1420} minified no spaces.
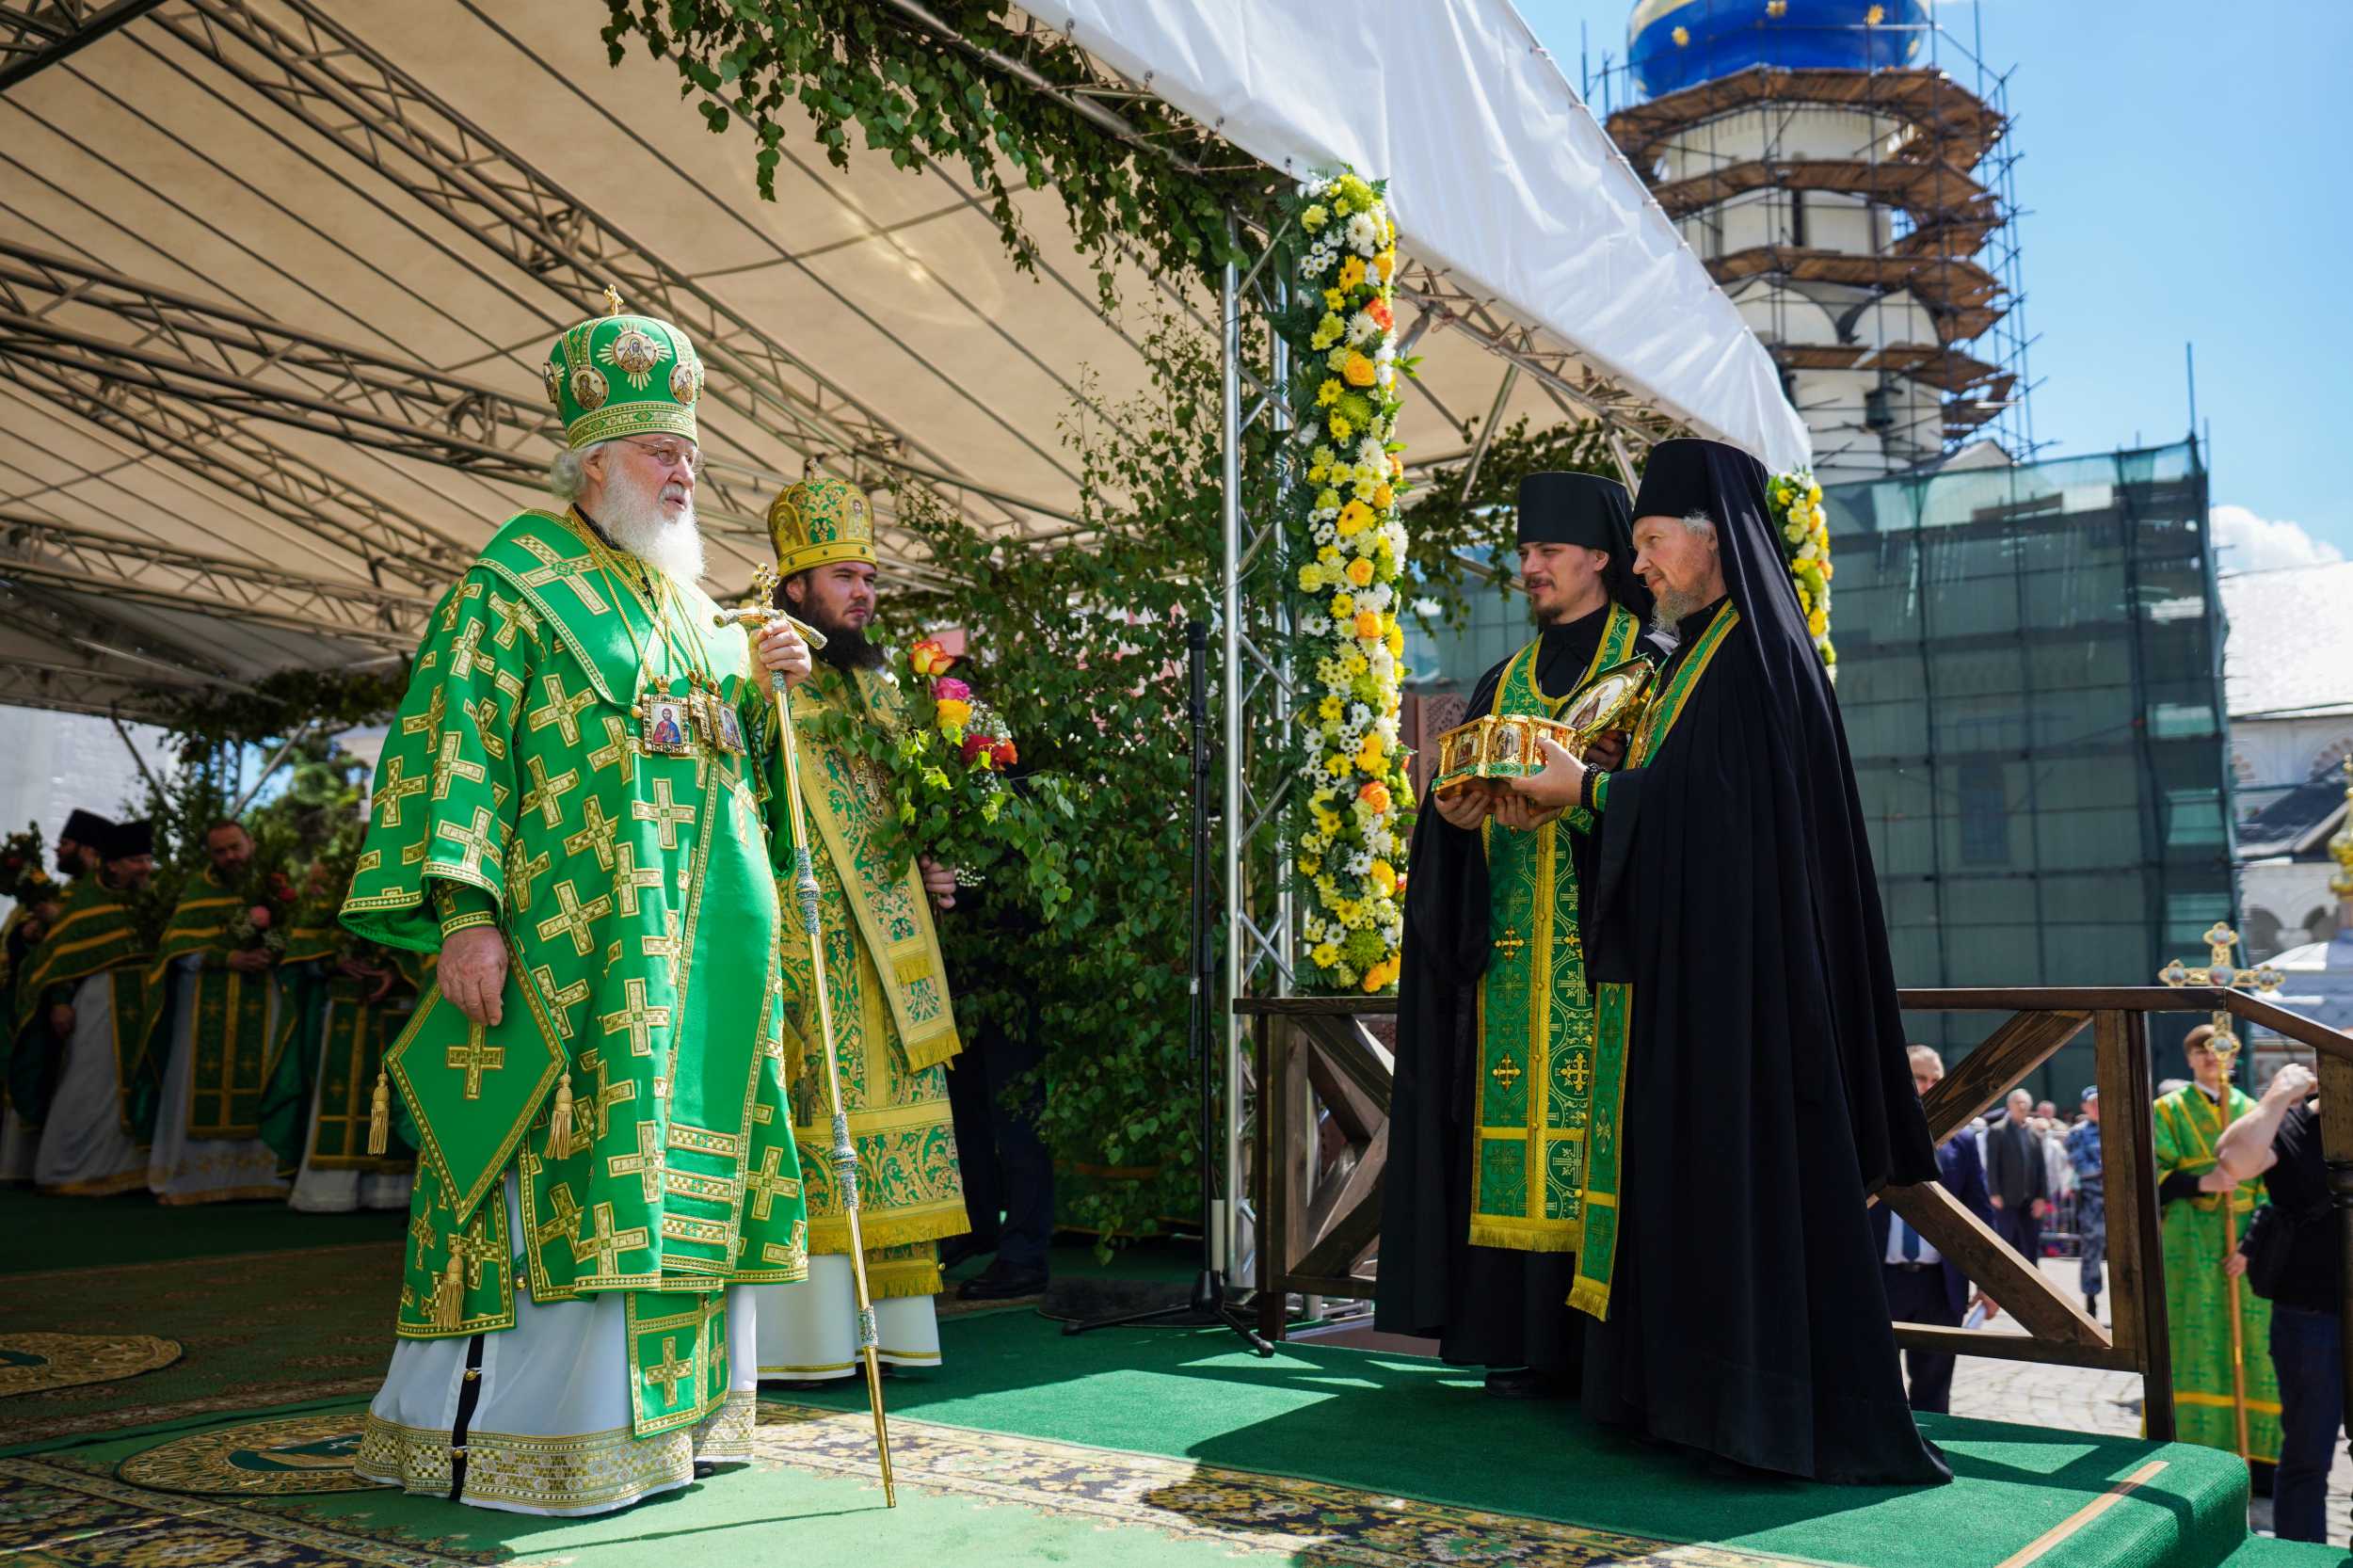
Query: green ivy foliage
{"x":1081,"y":650}
{"x":918,"y":97}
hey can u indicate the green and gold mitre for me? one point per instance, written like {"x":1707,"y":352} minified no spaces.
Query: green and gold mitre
{"x":617,"y":375}
{"x":818,"y":521}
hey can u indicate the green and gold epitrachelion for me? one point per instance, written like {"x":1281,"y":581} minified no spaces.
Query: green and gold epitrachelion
{"x":634,"y":1087}
{"x":231,"y":1031}
{"x":893,"y":1028}
{"x":1535,"y":1083}
{"x":1613,"y":1004}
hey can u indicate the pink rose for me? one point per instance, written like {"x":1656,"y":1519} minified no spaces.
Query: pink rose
{"x":948,"y":689}
{"x":259,"y":916}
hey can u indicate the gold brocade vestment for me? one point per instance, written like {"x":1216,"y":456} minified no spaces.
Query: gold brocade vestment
{"x":893,"y":1028}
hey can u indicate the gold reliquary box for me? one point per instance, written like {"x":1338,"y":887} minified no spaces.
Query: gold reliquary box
{"x":1504,"y":746}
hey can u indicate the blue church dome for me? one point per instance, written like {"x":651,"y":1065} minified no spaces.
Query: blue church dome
{"x":1679,"y":44}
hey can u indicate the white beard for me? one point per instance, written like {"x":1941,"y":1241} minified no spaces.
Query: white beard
{"x":634,"y":517}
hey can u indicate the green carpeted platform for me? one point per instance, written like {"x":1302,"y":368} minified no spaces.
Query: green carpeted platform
{"x":1420,"y":1429}
{"x":1134,"y":1445}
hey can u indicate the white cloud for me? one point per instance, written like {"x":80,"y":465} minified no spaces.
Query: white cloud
{"x":2245,"y":542}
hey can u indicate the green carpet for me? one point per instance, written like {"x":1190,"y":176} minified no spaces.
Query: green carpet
{"x":2261,"y":1552}
{"x":1420,"y":1429}
{"x":1146,"y":1446}
{"x":43,"y":1233}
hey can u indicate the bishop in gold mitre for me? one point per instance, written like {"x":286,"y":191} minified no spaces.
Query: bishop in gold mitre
{"x":893,"y":1029}
{"x":572,"y":812}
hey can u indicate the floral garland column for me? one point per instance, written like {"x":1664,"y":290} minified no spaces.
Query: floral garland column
{"x":1344,"y":533}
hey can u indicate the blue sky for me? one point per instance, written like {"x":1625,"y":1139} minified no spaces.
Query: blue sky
{"x":2185,"y":179}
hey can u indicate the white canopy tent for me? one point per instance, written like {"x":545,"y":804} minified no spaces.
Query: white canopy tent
{"x":276,"y":277}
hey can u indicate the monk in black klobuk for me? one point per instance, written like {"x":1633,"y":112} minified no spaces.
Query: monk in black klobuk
{"x":1748,"y":1018}
{"x":1503,"y":1306}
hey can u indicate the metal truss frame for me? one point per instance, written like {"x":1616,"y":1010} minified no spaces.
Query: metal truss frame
{"x":1257,"y":693}
{"x":39,"y":551}
{"x":332,"y":83}
{"x":37,"y":34}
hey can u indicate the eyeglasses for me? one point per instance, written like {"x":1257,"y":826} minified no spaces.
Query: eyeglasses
{"x":670,"y":454}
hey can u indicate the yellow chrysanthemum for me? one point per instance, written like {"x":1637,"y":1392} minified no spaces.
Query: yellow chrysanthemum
{"x":1397,"y":646}
{"x":1311,"y":579}
{"x":1343,"y":607}
{"x":1328,"y":394}
{"x":1339,"y":427}
{"x":1351,"y":273}
{"x":1356,"y":518}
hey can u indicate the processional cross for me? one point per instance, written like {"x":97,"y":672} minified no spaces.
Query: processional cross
{"x":2222,"y":971}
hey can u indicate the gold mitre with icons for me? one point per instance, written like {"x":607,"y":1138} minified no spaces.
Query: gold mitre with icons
{"x":1503,"y":746}
{"x":618,"y":375}
{"x":818,"y":521}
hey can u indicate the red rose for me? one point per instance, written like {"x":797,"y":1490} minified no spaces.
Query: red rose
{"x":259,"y":916}
{"x":973,"y":747}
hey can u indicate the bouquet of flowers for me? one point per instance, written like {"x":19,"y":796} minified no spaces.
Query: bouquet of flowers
{"x":947,"y":763}
{"x":266,"y":902}
{"x":24,"y":873}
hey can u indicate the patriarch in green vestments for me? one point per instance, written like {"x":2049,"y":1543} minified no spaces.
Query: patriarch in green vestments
{"x":1483,"y":1210}
{"x":572,"y":813}
{"x":2191,"y":1190}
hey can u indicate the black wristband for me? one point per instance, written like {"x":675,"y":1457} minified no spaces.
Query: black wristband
{"x":1592,"y":782}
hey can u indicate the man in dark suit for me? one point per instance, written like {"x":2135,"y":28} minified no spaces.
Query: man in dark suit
{"x":1922,"y":1284}
{"x":2018,"y":1178}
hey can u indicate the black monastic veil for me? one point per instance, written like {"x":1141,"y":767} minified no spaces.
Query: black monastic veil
{"x":1767,"y":1086}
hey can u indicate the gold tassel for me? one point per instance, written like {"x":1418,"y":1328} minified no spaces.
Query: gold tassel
{"x":449,"y":1302}
{"x":380,"y":1115}
{"x":560,"y":1120}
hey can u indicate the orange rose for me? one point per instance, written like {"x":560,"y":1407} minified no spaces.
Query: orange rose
{"x":1367,"y":625}
{"x":1361,"y":372}
{"x":1376,"y":795}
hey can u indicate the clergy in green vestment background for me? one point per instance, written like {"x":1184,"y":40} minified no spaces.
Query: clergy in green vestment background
{"x":215,"y":1004}
{"x":2191,"y":1192}
{"x":78,"y":1070}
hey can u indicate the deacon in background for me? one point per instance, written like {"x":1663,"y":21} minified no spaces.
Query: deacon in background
{"x":216,"y":1014}
{"x":894,"y":1030}
{"x":345,"y":1000}
{"x":1751,"y":1082}
{"x":1482,"y":1213}
{"x":2191,"y":1190}
{"x":572,"y":811}
{"x":82,"y":843}
{"x":81,"y":1027}
{"x":39,"y":902}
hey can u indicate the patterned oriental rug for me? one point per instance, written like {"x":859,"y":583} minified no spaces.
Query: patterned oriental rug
{"x":252,"y":1329}
{"x":253,"y":1494}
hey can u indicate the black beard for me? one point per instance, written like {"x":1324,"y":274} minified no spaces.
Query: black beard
{"x":847,"y":648}
{"x":69,"y":861}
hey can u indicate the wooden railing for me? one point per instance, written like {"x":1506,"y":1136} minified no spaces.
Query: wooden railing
{"x":1323,"y":1065}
